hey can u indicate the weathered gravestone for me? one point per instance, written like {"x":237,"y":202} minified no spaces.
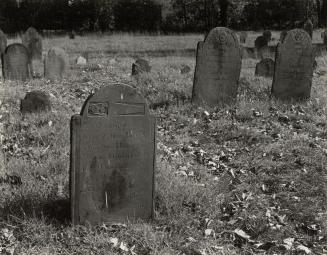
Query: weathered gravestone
{"x":35,"y":102}
{"x":324,"y":36}
{"x":294,"y":66}
{"x":218,"y":67}
{"x":267,"y":34}
{"x":112,"y":158}
{"x":265,"y":68}
{"x":283,"y":35}
{"x":16,"y":63}
{"x":141,"y":66}
{"x":308,"y":27}
{"x":3,"y":42}
{"x":56,"y":63}
{"x":33,"y":42}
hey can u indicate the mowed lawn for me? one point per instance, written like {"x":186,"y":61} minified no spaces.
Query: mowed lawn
{"x":247,"y":179}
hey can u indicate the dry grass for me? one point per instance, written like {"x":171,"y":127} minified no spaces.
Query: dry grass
{"x":259,"y":166}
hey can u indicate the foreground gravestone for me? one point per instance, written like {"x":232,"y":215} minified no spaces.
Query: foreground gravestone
{"x":308,"y":27}
{"x":3,"y":42}
{"x":56,"y":63}
{"x":265,"y":68}
{"x":35,"y":102}
{"x":112,"y":158}
{"x":218,"y":67}
{"x":141,"y":66}
{"x":294,"y":66}
{"x":16,"y":63}
{"x":33,"y":42}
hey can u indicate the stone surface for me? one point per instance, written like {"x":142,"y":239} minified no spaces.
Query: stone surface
{"x":294,"y":67}
{"x":217,"y":71}
{"x":35,"y":102}
{"x":267,"y":34}
{"x":282,"y":35}
{"x":16,"y":63}
{"x":112,"y":158}
{"x":3,"y":42}
{"x":265,"y":68}
{"x":33,"y":42}
{"x":81,"y":61}
{"x":141,"y":66}
{"x":308,"y":27}
{"x":243,"y":35}
{"x":56,"y":63}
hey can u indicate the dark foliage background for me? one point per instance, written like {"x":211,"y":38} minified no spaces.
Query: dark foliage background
{"x":159,"y":15}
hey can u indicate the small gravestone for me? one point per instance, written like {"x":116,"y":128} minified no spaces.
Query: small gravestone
{"x":56,"y":63}
{"x":265,"y":68}
{"x":35,"y":102}
{"x":3,"y":42}
{"x":283,"y":35}
{"x":33,"y":42}
{"x":16,"y":63}
{"x":218,"y":67}
{"x":81,"y":61}
{"x":141,"y":66}
{"x":243,"y":35}
{"x":294,"y":66}
{"x":267,"y":34}
{"x":112,"y":158}
{"x":324,"y":37}
{"x":308,"y":27}
{"x":185,"y":69}
{"x":260,"y":42}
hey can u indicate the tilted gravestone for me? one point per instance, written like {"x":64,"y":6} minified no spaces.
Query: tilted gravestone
{"x":56,"y":63}
{"x":35,"y":102}
{"x":265,"y":68}
{"x":112,"y":158}
{"x":16,"y":63}
{"x":294,"y":66}
{"x":141,"y":66}
{"x":3,"y":42}
{"x":218,"y":67}
{"x":33,"y":42}
{"x":308,"y":27}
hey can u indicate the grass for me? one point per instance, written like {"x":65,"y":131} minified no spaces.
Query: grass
{"x":248,"y":179}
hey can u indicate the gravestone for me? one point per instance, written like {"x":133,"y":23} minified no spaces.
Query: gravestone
{"x":56,"y":63}
{"x":260,"y":42}
{"x":16,"y":63}
{"x":294,"y":66}
{"x":267,"y":34}
{"x":3,"y":42}
{"x":81,"y":61}
{"x":283,"y":35}
{"x":324,"y":36}
{"x":243,"y":35}
{"x":218,"y":67}
{"x":33,"y":42}
{"x":265,"y":68}
{"x":141,"y":66}
{"x":308,"y":27}
{"x":35,"y":102}
{"x":112,"y":158}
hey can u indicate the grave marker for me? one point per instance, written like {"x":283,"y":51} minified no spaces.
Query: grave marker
{"x":35,"y":101}
{"x":56,"y":63}
{"x":218,"y":67}
{"x":294,"y":66}
{"x":141,"y":66}
{"x":3,"y":42}
{"x":16,"y":63}
{"x":33,"y":42}
{"x":112,"y":158}
{"x":265,"y":68}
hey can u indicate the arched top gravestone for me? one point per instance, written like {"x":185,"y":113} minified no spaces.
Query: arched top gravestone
{"x":16,"y":63}
{"x":56,"y":63}
{"x":3,"y":42}
{"x":33,"y":42}
{"x":294,"y":66}
{"x":218,"y":67}
{"x":112,"y":158}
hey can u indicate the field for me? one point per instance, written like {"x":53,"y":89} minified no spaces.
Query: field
{"x":248,"y":179}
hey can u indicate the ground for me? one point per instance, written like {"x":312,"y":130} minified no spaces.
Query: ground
{"x":246,"y":179}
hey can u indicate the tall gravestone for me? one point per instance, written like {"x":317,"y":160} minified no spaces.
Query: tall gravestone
{"x":218,"y":67}
{"x":33,"y":42}
{"x":294,"y":66}
{"x":3,"y":42}
{"x":112,"y":158}
{"x":55,"y":64}
{"x":16,"y":63}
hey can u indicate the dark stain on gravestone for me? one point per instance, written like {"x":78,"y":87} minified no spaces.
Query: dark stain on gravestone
{"x":293,"y":67}
{"x":16,"y":64}
{"x":112,"y":158}
{"x":218,"y":67}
